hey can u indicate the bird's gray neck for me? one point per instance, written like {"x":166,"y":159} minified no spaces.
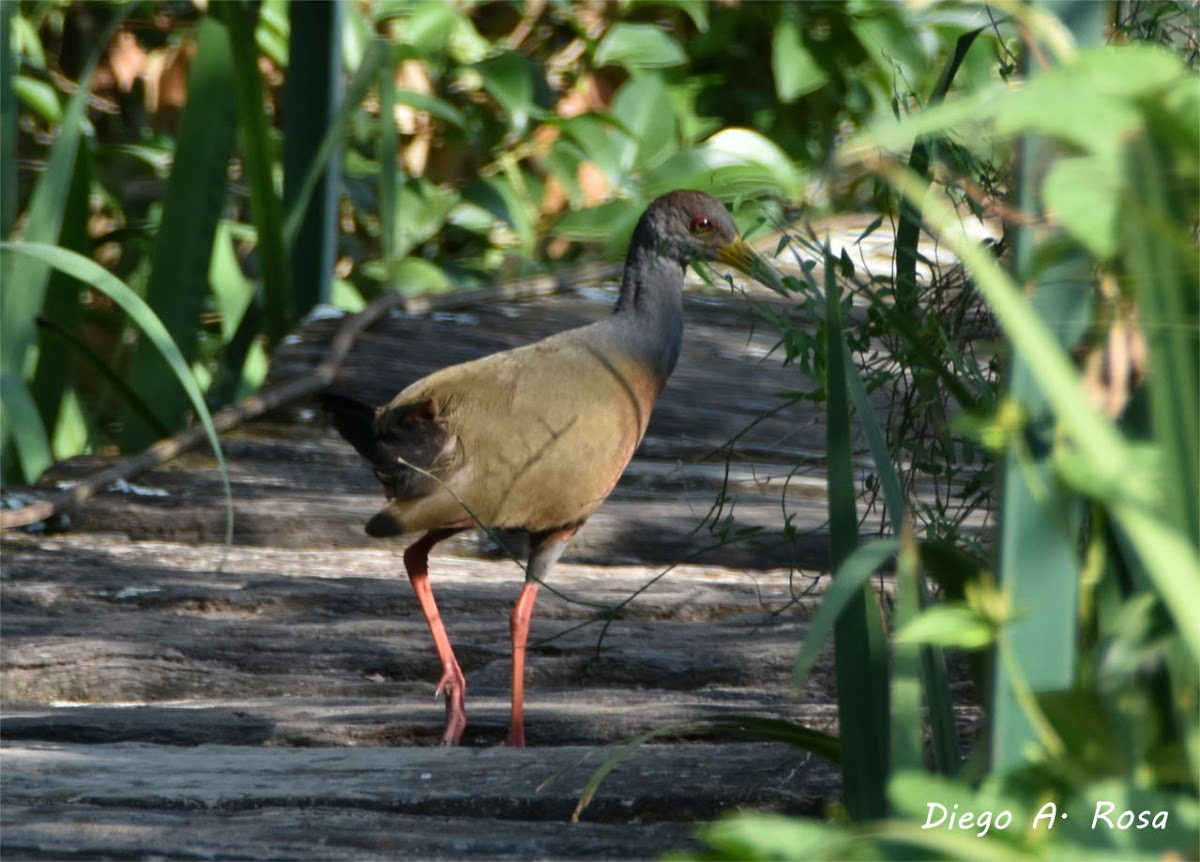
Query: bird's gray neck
{"x":650,"y":310}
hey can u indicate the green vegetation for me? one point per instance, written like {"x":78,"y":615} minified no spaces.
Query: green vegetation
{"x":1087,"y":627}
{"x":150,"y":198}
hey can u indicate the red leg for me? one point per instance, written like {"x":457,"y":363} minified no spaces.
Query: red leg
{"x":452,"y":684}
{"x":544,"y":551}
{"x":522,"y":614}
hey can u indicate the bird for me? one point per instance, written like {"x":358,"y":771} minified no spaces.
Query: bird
{"x":533,"y":439}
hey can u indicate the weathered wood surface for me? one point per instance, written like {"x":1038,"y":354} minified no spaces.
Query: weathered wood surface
{"x":134,"y":670}
{"x":164,"y":698}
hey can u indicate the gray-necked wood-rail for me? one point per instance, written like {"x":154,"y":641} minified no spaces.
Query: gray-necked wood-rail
{"x":534,"y":439}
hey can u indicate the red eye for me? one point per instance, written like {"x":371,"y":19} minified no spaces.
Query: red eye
{"x":702,"y":224}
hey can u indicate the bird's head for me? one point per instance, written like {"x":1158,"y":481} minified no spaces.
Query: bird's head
{"x":686,"y":226}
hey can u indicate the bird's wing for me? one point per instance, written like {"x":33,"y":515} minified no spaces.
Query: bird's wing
{"x":534,"y":438}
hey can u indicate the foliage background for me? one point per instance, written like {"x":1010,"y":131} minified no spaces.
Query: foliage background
{"x":490,"y":140}
{"x":521,"y":137}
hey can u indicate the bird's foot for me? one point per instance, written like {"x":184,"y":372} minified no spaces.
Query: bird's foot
{"x":454,"y":686}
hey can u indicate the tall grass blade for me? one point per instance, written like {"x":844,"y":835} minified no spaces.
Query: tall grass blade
{"x":846,"y":586}
{"x":389,"y":142}
{"x":860,"y":644}
{"x":91,"y":273}
{"x":278,"y":307}
{"x":1163,"y":274}
{"x":51,"y":379}
{"x":378,"y":53}
{"x":908,"y":231}
{"x":178,"y":286}
{"x":311,"y":92}
{"x":8,"y":121}
{"x":908,"y":723}
{"x":21,"y":422}
{"x":932,"y":658}
{"x":1039,"y":518}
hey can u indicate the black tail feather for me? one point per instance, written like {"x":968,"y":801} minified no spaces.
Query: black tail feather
{"x":353,"y":419}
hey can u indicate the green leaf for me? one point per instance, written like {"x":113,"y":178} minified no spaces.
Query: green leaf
{"x":429,"y":26}
{"x":598,"y":142}
{"x":638,"y":46}
{"x":907,"y":725}
{"x":797,"y":72}
{"x":953,"y":626}
{"x":39,"y":97}
{"x":508,"y":78}
{"x":644,"y":108}
{"x":1091,"y":104}
{"x":232,"y":294}
{"x":736,"y":146}
{"x":774,"y":836}
{"x":1170,"y":558}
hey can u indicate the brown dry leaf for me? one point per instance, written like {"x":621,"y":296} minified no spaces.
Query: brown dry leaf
{"x":166,"y":78}
{"x":592,"y":183}
{"x":554,"y":198}
{"x":412,"y":75}
{"x":1113,"y":368}
{"x":126,"y":60}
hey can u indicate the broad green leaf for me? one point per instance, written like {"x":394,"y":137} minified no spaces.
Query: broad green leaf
{"x":638,"y":46}
{"x":1091,"y":103}
{"x":796,"y":71}
{"x":598,"y":142}
{"x":774,"y":836}
{"x":273,"y":31}
{"x":429,"y":25}
{"x":953,"y":626}
{"x":421,"y":211}
{"x":736,"y":146}
{"x":508,"y":78}
{"x":71,"y":431}
{"x":508,"y":205}
{"x":643,"y":107}
{"x":415,"y":275}
{"x":39,"y":97}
